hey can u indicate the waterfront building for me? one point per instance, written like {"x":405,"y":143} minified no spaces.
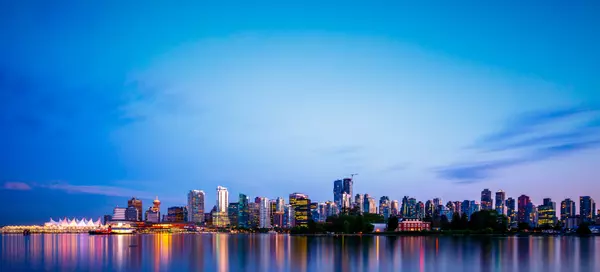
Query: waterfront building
{"x":567,"y":210}
{"x":372,"y":205}
{"x":73,"y":224}
{"x":221,"y":216}
{"x":273,"y":204}
{"x":322,"y":212}
{"x":366,"y":204}
{"x":501,"y":202}
{"x":486,"y":200}
{"x":280,"y":204}
{"x":233,"y":213}
{"x":137,"y":204}
{"x":547,"y":213}
{"x":264,"y":208}
{"x":152,"y":216}
{"x":288,"y":215}
{"x":384,"y":207}
{"x":300,"y":203}
{"x":119,"y":213}
{"x":522,"y":215}
{"x":131,"y":213}
{"x":572,"y":222}
{"x":278,"y":219}
{"x":413,"y":225}
{"x":359,"y":202}
{"x":511,"y":211}
{"x":587,"y":209}
{"x":338,"y":190}
{"x":394,"y":209}
{"x":243,"y":211}
{"x":176,"y":214}
{"x":195,"y":203}
{"x":429,"y":208}
{"x":346,"y":201}
{"x":531,"y":215}
{"x":253,"y":215}
{"x":420,"y":210}
{"x":331,"y":209}
{"x":314,"y":212}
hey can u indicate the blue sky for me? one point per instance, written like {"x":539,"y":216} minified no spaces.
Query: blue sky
{"x":102,"y":102}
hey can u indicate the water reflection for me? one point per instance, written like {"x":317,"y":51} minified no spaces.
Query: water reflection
{"x":224,"y":252}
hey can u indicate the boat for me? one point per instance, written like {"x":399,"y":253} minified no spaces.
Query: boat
{"x":99,"y":232}
{"x":26,"y":232}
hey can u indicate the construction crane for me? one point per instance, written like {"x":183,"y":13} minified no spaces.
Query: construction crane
{"x":352,"y":175}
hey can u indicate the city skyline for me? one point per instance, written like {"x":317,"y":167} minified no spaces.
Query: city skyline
{"x":98,"y":107}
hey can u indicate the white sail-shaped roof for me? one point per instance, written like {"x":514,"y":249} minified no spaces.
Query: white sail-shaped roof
{"x":98,"y":222}
{"x":73,"y":223}
{"x":82,"y":223}
{"x":90,"y":223}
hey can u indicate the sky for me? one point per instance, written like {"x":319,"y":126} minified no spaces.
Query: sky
{"x":100,"y":102}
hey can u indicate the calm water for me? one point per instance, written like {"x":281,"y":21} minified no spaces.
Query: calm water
{"x":223,"y":252}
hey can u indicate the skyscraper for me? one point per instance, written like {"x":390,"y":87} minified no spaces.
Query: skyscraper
{"x":221,"y":216}
{"x":300,"y":203}
{"x":264,"y":220}
{"x":372,"y":205}
{"x":474,"y":207}
{"x":412,"y":208}
{"x":511,"y":211}
{"x":404,"y":209}
{"x":131,"y":213}
{"x":500,"y":202}
{"x":348,"y":184}
{"x":458,"y":207}
{"x":486,"y":200}
{"x":567,"y":210}
{"x":384,"y":207}
{"x":280,"y":204}
{"x":233,"y":211}
{"x":137,"y":204}
{"x":366,"y":203}
{"x":587,"y":209}
{"x":346,"y":201}
{"x":465,"y":207}
{"x":359,"y":202}
{"x":243,"y":211}
{"x":196,"y":206}
{"x":531,"y":215}
{"x":429,"y":208}
{"x":522,"y":215}
{"x":394,"y":207}
{"x":253,"y":214}
{"x":420,"y":210}
{"x":547,"y":213}
{"x":338,"y":190}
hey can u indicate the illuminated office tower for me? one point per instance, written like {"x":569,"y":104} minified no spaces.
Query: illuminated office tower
{"x":567,"y":210}
{"x":195,"y":206}
{"x":243,"y":211}
{"x":137,"y":204}
{"x":221,"y":216}
{"x":522,"y":215}
{"x":587,"y":209}
{"x":394,"y":208}
{"x":511,"y":211}
{"x":338,"y":190}
{"x":547,"y":213}
{"x":264,"y":220}
{"x":486,"y":200}
{"x":300,"y":203}
{"x":500,"y":202}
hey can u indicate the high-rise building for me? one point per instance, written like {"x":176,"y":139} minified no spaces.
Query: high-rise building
{"x":429,"y":208}
{"x":359,"y":202}
{"x":384,"y":207}
{"x":547,"y":213}
{"x":465,"y":207}
{"x":458,"y":207}
{"x":195,"y":204}
{"x":531,"y":215}
{"x":322,"y":212}
{"x":107,"y":219}
{"x":372,"y":205}
{"x":253,"y":215}
{"x":348,"y":184}
{"x":567,"y":210}
{"x":278,"y":219}
{"x":346,"y":201}
{"x":522,"y":215}
{"x":366,"y":208}
{"x":587,"y":209}
{"x":137,"y":204}
{"x":221,"y":216}
{"x":314,"y":211}
{"x":437,"y":206}
{"x":394,"y":207}
{"x":273,"y":204}
{"x":175,"y":214}
{"x":500,"y":202}
{"x":451,"y":207}
{"x":338,"y":190}
{"x":119,"y":214}
{"x":511,"y":211}
{"x":131,"y":214}
{"x":300,"y":203}
{"x":288,"y":215}
{"x":264,"y":208}
{"x":331,"y":208}
{"x":243,"y":211}
{"x":474,"y":207}
{"x":405,"y":209}
{"x":233,"y":211}
{"x":486,"y":200}
{"x":420,"y":210}
{"x":280,"y":204}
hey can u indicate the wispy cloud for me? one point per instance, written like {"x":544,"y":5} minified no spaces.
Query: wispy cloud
{"x":397,"y":167}
{"x":19,"y":186}
{"x":530,"y":138}
{"x":343,"y":150}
